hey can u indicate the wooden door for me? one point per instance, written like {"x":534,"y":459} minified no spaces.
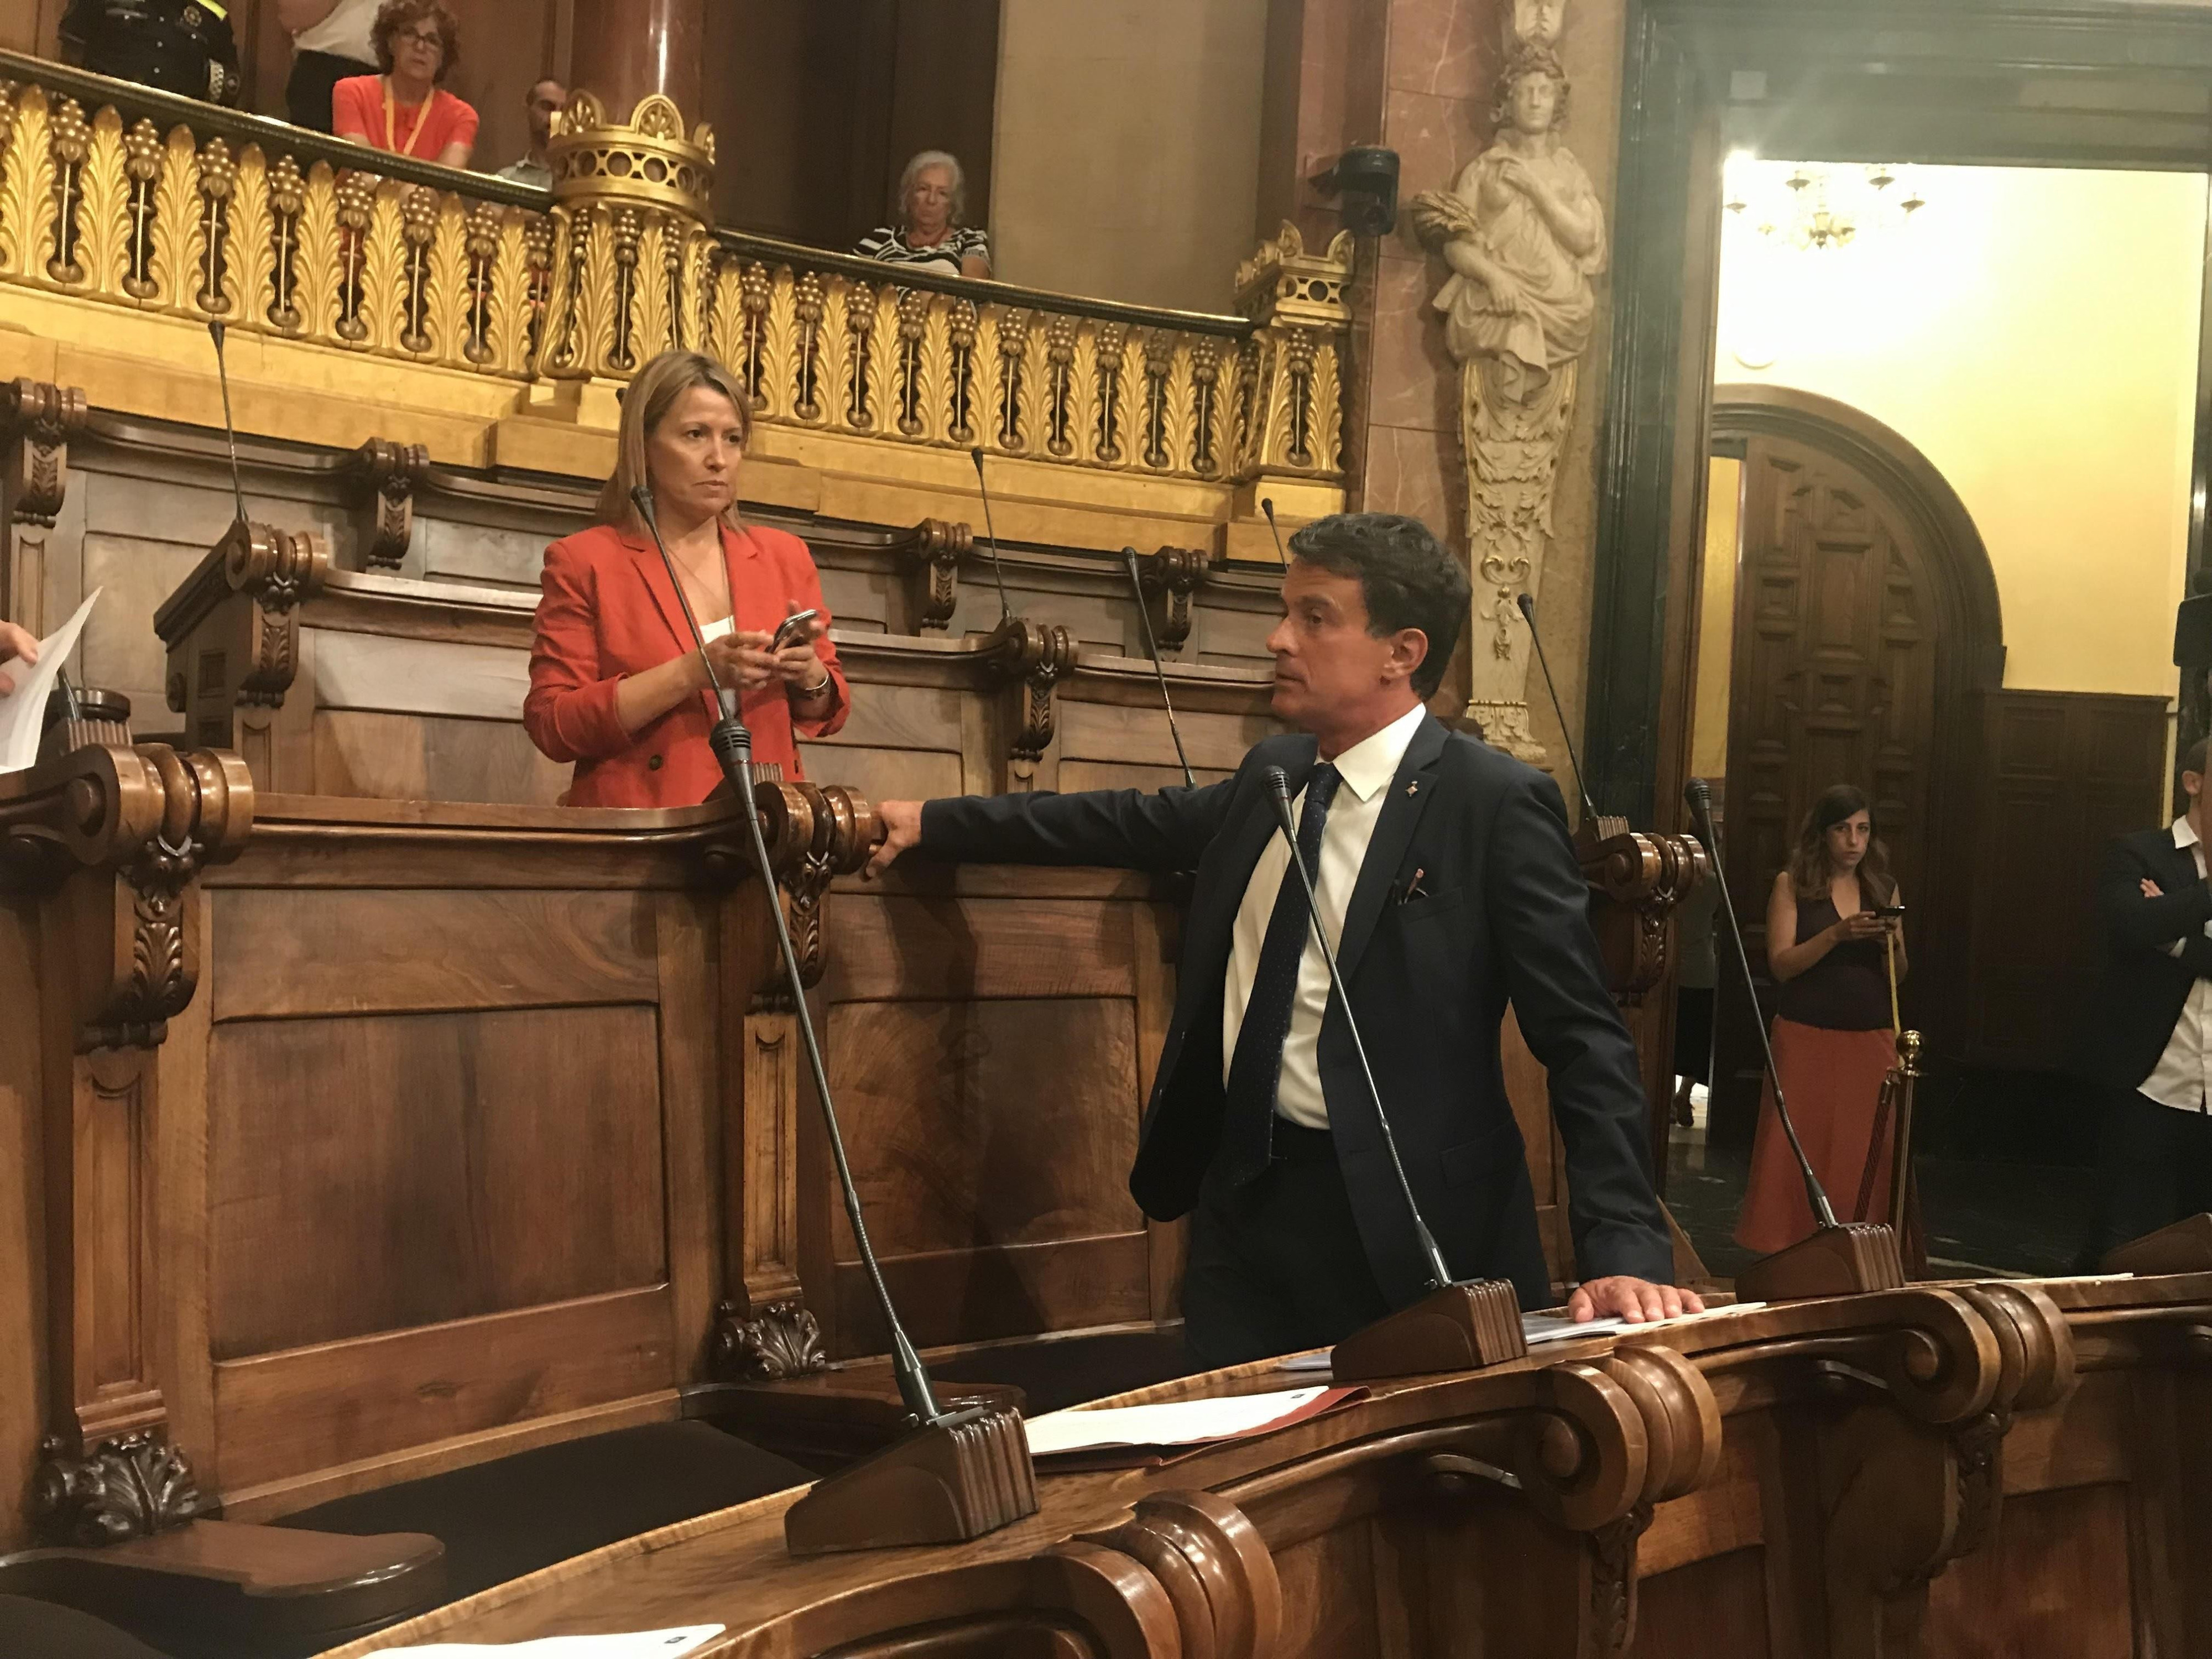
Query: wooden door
{"x":1838,"y":628}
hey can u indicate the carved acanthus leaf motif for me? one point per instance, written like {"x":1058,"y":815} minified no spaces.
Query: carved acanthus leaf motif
{"x":133,"y":1486}
{"x":1168,"y":578}
{"x":784,"y":1340}
{"x":41,"y":418}
{"x":385,"y":475}
{"x":1033,"y":656}
{"x":932,"y":551}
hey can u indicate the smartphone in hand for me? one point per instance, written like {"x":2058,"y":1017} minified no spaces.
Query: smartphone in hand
{"x":792,"y":629}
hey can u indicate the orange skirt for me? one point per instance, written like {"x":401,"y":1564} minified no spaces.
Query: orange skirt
{"x":1833,"y":1079}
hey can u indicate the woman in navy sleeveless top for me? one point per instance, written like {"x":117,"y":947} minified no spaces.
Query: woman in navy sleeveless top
{"x":1832,"y":1039}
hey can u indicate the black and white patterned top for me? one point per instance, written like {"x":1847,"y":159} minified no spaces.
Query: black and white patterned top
{"x":961,"y":242}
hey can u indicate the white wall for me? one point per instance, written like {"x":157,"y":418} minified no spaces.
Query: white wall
{"x":2033,"y":332}
{"x":1126,"y":161}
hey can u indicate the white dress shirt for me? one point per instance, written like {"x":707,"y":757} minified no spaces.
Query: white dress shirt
{"x":344,"y":33}
{"x":2182,"y":1077}
{"x":1367,"y":768}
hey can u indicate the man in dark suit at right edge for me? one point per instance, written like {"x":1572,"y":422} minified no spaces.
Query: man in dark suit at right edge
{"x":2148,"y":1045}
{"x":1450,"y":886}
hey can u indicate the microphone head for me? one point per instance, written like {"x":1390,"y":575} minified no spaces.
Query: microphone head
{"x":216,"y":333}
{"x":976,"y":454}
{"x":641,"y":498}
{"x":1527,"y":608}
{"x":1698,"y":794}
{"x":1267,"y":507}
{"x":1278,"y":782}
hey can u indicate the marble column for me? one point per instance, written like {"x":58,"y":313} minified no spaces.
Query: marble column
{"x":626,"y":50}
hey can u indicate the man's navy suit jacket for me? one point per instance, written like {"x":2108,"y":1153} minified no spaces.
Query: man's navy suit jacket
{"x":2139,"y":998}
{"x":1501,"y":916}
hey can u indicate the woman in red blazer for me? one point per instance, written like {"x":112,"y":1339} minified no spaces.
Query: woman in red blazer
{"x":616,"y":685}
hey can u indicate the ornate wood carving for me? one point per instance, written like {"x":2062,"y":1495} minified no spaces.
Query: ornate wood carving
{"x":1215,"y":1568}
{"x":1031,"y":657}
{"x":37,"y":421}
{"x":232,"y":628}
{"x":130,"y":1486}
{"x":1168,"y":578}
{"x":1644,"y":877}
{"x":385,"y":477}
{"x":783,"y":1340}
{"x":931,"y":552}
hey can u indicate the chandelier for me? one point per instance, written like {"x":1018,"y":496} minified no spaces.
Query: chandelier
{"x":1817,"y":205}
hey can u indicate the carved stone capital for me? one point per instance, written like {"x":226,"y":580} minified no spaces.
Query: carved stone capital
{"x":1168,"y":578}
{"x":931,"y":552}
{"x":783,"y":1339}
{"x":385,"y":477}
{"x":38,"y":420}
{"x":132,"y":1486}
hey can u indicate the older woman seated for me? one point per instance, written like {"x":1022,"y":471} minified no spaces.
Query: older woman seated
{"x":932,"y":194}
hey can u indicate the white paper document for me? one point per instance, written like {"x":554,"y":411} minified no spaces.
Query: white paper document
{"x":641,"y":1644}
{"x":23,"y":711}
{"x":1185,"y":1422}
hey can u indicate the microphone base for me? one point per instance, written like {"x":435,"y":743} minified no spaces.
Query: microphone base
{"x":1460,"y":1328}
{"x":1849,"y":1259}
{"x":965,"y":1475}
{"x":2184,"y":1248}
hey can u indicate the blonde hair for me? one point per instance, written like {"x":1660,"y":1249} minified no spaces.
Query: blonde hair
{"x":645,"y":405}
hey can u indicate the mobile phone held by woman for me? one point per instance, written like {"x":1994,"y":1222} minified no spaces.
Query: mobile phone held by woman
{"x":792,"y":629}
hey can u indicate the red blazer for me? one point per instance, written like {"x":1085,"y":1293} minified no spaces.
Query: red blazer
{"x":609,"y":610}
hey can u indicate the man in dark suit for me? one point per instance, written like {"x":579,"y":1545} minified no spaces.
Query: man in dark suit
{"x":1448,"y":884}
{"x":2148,"y":1045}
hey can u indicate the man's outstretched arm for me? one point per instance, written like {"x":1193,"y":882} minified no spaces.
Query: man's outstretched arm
{"x":1125,"y":829}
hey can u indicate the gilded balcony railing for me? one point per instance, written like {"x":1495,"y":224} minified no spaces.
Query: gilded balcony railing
{"x":127,"y":197}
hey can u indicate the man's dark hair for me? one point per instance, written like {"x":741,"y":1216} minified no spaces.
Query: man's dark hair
{"x":2192,"y":758}
{"x":1405,"y":578}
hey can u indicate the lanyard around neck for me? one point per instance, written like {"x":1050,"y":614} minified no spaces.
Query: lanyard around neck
{"x":390,"y":127}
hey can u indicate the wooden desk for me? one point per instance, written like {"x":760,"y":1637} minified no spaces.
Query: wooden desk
{"x":2008,"y":1467}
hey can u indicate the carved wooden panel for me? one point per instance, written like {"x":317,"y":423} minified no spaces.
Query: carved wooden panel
{"x":472,"y":1163}
{"x":982,"y":1033}
{"x":991,"y":1139}
{"x":431,"y":757}
{"x":1833,"y":681}
{"x":2060,"y":774}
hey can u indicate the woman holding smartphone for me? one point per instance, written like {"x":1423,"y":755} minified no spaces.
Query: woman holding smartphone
{"x":1831,"y":920}
{"x":616,"y":685}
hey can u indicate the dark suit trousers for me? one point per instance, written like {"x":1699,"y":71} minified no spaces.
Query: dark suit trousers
{"x":2154,"y":1166}
{"x":1276,"y":1266}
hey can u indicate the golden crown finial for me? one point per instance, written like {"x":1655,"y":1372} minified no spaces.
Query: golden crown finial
{"x":646,"y":159}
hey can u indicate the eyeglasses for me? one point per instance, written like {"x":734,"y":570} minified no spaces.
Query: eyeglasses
{"x":422,"y":37}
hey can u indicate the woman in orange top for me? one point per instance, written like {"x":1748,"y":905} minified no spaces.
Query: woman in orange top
{"x":616,"y":685}
{"x":404,"y":111}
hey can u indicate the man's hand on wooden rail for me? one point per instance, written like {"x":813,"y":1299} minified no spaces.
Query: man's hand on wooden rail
{"x":901,"y":822}
{"x":14,"y":643}
{"x":1634,"y":1300}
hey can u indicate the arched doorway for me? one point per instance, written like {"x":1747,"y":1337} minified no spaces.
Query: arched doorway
{"x":1866,"y":621}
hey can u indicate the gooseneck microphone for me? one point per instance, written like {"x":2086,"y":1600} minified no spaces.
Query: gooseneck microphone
{"x":1152,"y":645}
{"x":733,"y":747}
{"x":1700,"y":799}
{"x":1267,"y":507}
{"x":1529,"y":614}
{"x":230,"y":427}
{"x":976,"y":454}
{"x":1278,"y":786}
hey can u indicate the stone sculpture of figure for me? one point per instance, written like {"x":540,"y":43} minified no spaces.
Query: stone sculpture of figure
{"x":1523,"y":233}
{"x":1536,"y":22}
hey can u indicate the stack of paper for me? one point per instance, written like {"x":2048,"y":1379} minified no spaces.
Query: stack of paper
{"x":1153,"y":1433}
